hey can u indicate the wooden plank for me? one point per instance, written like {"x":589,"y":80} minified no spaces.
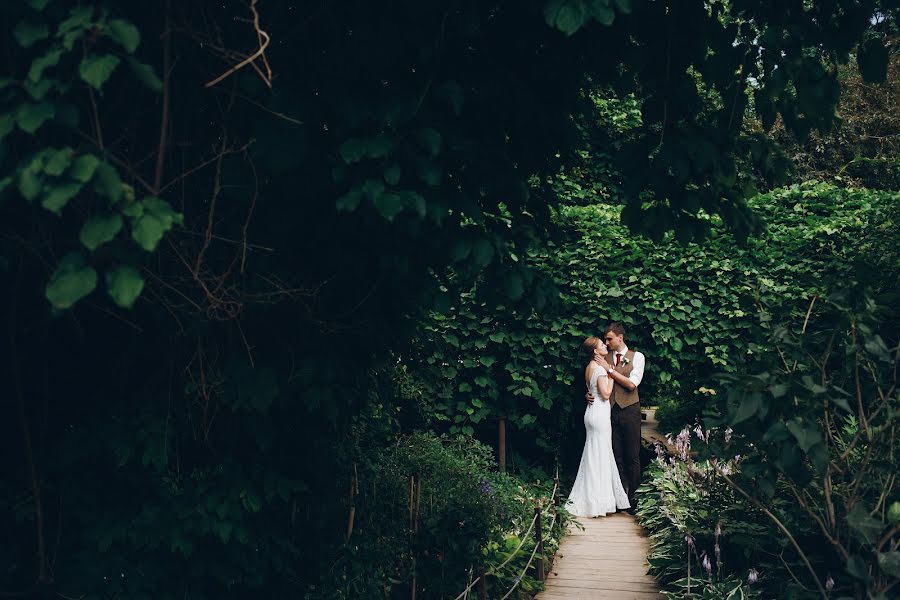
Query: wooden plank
{"x":602,"y":559}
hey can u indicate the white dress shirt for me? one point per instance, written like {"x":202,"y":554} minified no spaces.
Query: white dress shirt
{"x":637,"y":365}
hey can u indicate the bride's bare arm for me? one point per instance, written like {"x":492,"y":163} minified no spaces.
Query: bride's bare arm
{"x":606,"y":385}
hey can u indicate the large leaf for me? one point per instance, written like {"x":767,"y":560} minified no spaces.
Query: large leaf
{"x":31,"y":117}
{"x":864,"y":525}
{"x":96,"y":70}
{"x":72,"y":281}
{"x":565,"y":15}
{"x":58,"y":194}
{"x":124,"y":284}
{"x":125,"y":33}
{"x":889,"y":562}
{"x":808,"y":434}
{"x":145,"y":74}
{"x":28,"y":33}
{"x":389,"y":205}
{"x":83,"y":167}
{"x":147,"y":231}
{"x":163,"y":211}
{"x":58,"y":161}
{"x":100,"y":229}
{"x":40,"y":64}
{"x":108,"y":183}
{"x":747,"y":408}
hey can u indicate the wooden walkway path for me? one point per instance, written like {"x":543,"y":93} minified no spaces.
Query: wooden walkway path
{"x":605,"y":561}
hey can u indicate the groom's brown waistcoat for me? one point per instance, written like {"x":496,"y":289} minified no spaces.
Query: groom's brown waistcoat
{"x":620,"y":395}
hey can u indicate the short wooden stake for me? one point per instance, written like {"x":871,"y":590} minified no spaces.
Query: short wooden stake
{"x":501,"y":445}
{"x":539,"y":540}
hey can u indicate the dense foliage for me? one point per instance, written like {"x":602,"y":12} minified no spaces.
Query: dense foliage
{"x":221,"y":223}
{"x":438,"y":509}
{"x":693,"y":309}
{"x":795,"y":488}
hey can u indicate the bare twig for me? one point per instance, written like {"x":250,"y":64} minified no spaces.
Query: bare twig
{"x":164,"y":118}
{"x":263,"y":39}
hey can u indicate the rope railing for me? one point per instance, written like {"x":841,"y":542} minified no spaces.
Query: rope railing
{"x":537,"y":514}
{"x":518,"y":579}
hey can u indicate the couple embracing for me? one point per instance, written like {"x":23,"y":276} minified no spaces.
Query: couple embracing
{"x":610,"y":469}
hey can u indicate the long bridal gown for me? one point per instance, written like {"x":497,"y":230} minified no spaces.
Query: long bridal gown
{"x":598,"y":488}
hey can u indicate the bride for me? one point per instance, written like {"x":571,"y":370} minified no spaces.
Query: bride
{"x":598,"y":488}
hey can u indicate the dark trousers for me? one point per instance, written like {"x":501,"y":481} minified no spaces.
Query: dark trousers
{"x":626,"y":443}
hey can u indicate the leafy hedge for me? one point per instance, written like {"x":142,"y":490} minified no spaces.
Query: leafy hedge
{"x":692,"y":308}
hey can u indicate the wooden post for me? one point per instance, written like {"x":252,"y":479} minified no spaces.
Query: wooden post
{"x":501,"y":445}
{"x":412,"y":525}
{"x":354,"y":490}
{"x":539,"y":540}
{"x":482,"y":584}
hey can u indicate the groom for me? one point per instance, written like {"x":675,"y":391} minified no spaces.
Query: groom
{"x":627,"y":371}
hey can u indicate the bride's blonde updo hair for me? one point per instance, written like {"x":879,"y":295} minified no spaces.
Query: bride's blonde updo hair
{"x":589,"y":346}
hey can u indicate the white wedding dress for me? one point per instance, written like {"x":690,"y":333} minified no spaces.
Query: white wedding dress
{"x":598,"y":488}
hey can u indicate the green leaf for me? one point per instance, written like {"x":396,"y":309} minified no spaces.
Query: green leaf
{"x":58,"y":162}
{"x":31,"y":117}
{"x":748,"y":407}
{"x":872,"y":58}
{"x":59,"y":194}
{"x":147,"y":231}
{"x":145,"y":74}
{"x":893,"y":513}
{"x":623,"y":6}
{"x":856,"y":567}
{"x":79,"y":18}
{"x":389,"y":205}
{"x":96,"y":70}
{"x":100,"y":229}
{"x":106,"y":180}
{"x":40,"y":64}
{"x":603,"y":13}
{"x":350,"y":201}
{"x":163,"y":211}
{"x":28,"y":33}
{"x":867,"y":527}
{"x":38,"y":5}
{"x":38,"y":90}
{"x":807,"y":434}
{"x":84,"y":167}
{"x":7,"y":122}
{"x":124,"y":284}
{"x":567,"y":16}
{"x":30,"y":183}
{"x":487,"y":360}
{"x":125,"y":33}
{"x":72,"y":281}
{"x":889,"y":562}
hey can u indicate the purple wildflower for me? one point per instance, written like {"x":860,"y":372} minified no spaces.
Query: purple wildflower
{"x":707,"y":565}
{"x":659,"y":450}
{"x":485,"y":486}
{"x":752,"y":577}
{"x":683,"y":443}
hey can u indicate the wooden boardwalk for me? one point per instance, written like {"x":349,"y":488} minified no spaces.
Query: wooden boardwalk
{"x":605,"y":561}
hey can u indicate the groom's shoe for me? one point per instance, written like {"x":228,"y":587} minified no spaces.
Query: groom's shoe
{"x":631,"y":510}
